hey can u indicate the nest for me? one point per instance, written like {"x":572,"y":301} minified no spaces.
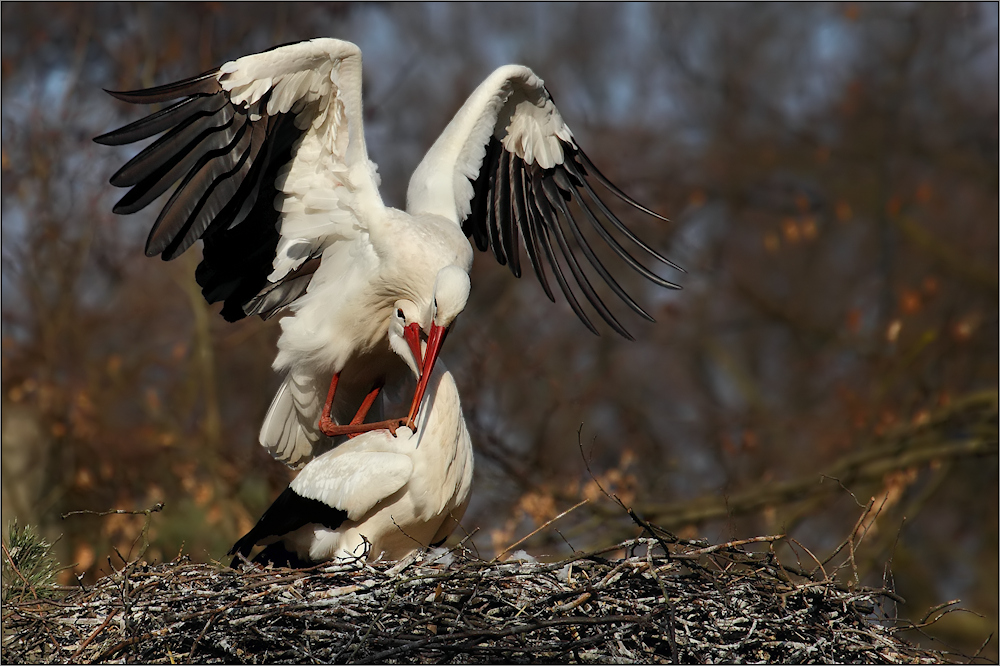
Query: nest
{"x":641,"y":601}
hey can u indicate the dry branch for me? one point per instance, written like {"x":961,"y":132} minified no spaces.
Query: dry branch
{"x":974,"y":417}
{"x":726,"y":605}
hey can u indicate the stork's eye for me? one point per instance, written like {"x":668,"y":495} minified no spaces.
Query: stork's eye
{"x":399,"y":313}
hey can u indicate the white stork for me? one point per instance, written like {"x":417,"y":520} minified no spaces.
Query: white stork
{"x":275,"y":178}
{"x":395,"y":493}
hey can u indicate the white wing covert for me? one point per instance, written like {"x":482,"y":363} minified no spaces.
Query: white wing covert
{"x":507,"y":165}
{"x":354,"y":481}
{"x":270,"y":154}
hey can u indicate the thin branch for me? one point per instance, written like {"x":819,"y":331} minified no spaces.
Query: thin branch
{"x":538,"y":529}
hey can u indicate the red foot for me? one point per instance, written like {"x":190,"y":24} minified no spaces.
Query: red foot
{"x":357,"y":424}
{"x":334,"y":430}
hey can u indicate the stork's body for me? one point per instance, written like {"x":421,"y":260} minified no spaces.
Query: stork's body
{"x":339,"y":327}
{"x":393,"y":493}
{"x":274,"y":177}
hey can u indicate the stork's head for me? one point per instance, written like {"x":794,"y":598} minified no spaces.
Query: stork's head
{"x":451,"y":293}
{"x":409,"y":326}
{"x":404,"y":334}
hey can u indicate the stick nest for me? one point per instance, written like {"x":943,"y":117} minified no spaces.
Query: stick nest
{"x":717,"y":604}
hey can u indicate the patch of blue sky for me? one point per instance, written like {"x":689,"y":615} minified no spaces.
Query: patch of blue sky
{"x":821,"y":69}
{"x":986,"y":33}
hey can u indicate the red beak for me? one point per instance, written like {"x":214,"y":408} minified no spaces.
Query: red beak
{"x":434,"y":341}
{"x":411,"y":332}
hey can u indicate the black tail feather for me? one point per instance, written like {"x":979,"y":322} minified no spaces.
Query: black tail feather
{"x":287,"y":513}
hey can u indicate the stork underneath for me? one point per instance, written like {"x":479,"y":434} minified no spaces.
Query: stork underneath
{"x":376,"y":494}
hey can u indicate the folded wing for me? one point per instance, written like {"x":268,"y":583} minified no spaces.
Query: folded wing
{"x":355,"y":481}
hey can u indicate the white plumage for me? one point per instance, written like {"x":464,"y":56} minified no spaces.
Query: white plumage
{"x":275,"y":178}
{"x":390,"y":494}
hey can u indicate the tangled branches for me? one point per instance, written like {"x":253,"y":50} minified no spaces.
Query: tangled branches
{"x":630,"y":603}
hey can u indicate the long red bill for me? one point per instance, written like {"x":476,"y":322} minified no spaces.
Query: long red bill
{"x":411,"y":332}
{"x":434,"y":341}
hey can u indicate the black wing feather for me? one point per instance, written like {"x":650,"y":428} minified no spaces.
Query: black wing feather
{"x":226,"y":160}
{"x":160,"y":121}
{"x":511,"y":195}
{"x":553,"y":201}
{"x":611,"y":240}
{"x":167,"y":158}
{"x":501,"y":207}
{"x":205,"y":83}
{"x":540,"y":228}
{"x":562,"y":181}
{"x":480,"y":203}
{"x":241,"y":244}
{"x":199,"y":198}
{"x":492,"y":221}
{"x":585,"y":162}
{"x":515,"y":204}
{"x":524,"y":222}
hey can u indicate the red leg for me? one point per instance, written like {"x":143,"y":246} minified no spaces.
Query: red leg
{"x":356,"y":427}
{"x":326,"y":419}
{"x":366,"y":405}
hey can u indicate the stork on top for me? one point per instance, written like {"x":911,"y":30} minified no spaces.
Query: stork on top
{"x":276,"y":181}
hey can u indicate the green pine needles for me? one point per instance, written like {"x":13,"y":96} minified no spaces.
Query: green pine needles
{"x":29,"y":567}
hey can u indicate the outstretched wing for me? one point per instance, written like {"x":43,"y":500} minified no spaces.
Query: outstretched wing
{"x":508,"y":165}
{"x":270,"y":158}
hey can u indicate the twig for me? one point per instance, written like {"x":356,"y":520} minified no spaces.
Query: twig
{"x":537,"y":530}
{"x":826,"y":576}
{"x":371,"y":626}
{"x":734,"y":544}
{"x":866,"y":525}
{"x":194,"y":646}
{"x":565,"y":540}
{"x":153,"y":509}
{"x":843,"y":487}
{"x":981,"y":648}
{"x":927,"y":615}
{"x":632,"y":514}
{"x":671,"y":631}
{"x":102,"y":627}
{"x":854,"y":531}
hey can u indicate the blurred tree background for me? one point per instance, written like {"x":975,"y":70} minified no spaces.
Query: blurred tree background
{"x":832,"y":176}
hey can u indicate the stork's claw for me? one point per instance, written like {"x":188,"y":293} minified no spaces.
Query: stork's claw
{"x":331,"y":429}
{"x":396,"y":424}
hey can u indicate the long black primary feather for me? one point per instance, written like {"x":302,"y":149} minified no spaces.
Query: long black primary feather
{"x":205,"y":83}
{"x":224,"y":161}
{"x":512,"y":198}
